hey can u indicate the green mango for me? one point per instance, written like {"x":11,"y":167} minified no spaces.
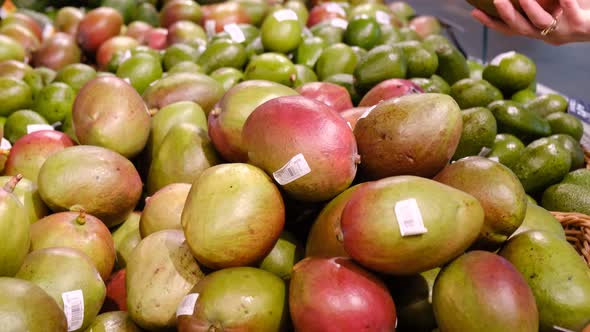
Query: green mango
{"x":537,"y":218}
{"x":141,"y":70}
{"x":185,"y":152}
{"x":28,"y":195}
{"x":223,"y":53}
{"x":281,"y":31}
{"x":273,"y":67}
{"x":55,"y":101}
{"x":76,"y":75}
{"x":10,"y":49}
{"x":381,"y":63}
{"x":146,"y":12}
{"x":15,"y":226}
{"x":331,"y":31}
{"x":542,"y":163}
{"x":309,"y":51}
{"x":126,"y":237}
{"x":346,"y":81}
{"x":227,"y":77}
{"x":14,"y":95}
{"x":304,"y":75}
{"x":114,"y":321}
{"x":557,"y":275}
{"x":161,"y":261}
{"x":363,"y":31}
{"x":17,"y":123}
{"x":283,"y":256}
{"x":178,"y":53}
{"x":336,"y":59}
{"x":27,"y":307}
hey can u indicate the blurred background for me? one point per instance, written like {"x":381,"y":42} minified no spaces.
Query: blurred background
{"x":565,"y":69}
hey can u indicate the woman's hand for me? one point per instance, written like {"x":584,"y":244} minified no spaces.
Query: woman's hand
{"x":573,"y":20}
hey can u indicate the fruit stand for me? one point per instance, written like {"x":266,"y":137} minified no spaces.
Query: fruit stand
{"x":262,"y":166}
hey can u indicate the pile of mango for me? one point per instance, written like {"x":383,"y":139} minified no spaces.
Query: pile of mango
{"x":148,"y":106}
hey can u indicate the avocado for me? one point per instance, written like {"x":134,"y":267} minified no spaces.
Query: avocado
{"x":479,"y":131}
{"x":574,"y":148}
{"x":381,"y":63}
{"x":422,"y":62}
{"x":510,"y":72}
{"x":563,"y":123}
{"x":435,"y":84}
{"x":547,"y":104}
{"x":506,"y":149}
{"x":471,"y":92}
{"x":557,"y":275}
{"x":543,"y":163}
{"x":514,"y":119}
{"x":452,"y":65}
{"x":580,"y":177}
{"x":567,"y":197}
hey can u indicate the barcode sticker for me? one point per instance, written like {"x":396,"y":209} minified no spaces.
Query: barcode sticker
{"x":409,"y":218}
{"x":294,"y":169}
{"x":498,"y":59}
{"x":485,"y":151}
{"x":38,"y":127}
{"x":5,"y":145}
{"x":339,"y":23}
{"x":285,"y":15}
{"x":210,"y":27}
{"x":187,"y":305}
{"x":382,"y":17}
{"x":235,"y":32}
{"x":74,"y":309}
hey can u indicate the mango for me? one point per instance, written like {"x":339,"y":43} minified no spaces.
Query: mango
{"x":537,"y":218}
{"x":387,"y":148}
{"x":126,"y":237}
{"x":497,"y":189}
{"x":164,"y":209}
{"x":557,"y":275}
{"x":372,"y":228}
{"x":481,"y":291}
{"x":185,"y":152}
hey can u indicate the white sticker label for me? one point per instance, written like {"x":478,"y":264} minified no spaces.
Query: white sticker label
{"x":48,"y":31}
{"x":285,"y":15}
{"x":5,"y":145}
{"x":382,"y":17}
{"x":496,"y":61}
{"x":485,"y":151}
{"x":335,"y":8}
{"x":294,"y":169}
{"x":496,"y":159}
{"x":187,"y":305}
{"x":367,"y":112}
{"x":558,"y":328}
{"x":38,"y":127}
{"x":409,"y":218}
{"x":339,"y":23}
{"x":210,"y":27}
{"x":74,"y":308}
{"x":235,"y":32}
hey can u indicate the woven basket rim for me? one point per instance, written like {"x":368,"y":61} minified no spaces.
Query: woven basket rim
{"x":577,"y":230}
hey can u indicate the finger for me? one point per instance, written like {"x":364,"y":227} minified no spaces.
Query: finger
{"x":491,"y":23}
{"x":514,"y":19}
{"x":536,"y":14}
{"x":571,"y":10}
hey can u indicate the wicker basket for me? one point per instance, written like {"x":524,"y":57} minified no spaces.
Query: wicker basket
{"x":577,"y":231}
{"x":577,"y":226}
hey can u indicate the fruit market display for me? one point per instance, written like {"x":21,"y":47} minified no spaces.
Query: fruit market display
{"x":254,"y":165}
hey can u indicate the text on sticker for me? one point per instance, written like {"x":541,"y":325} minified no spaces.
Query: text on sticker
{"x":294,"y":169}
{"x":409,"y":218}
{"x":74,"y":309}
